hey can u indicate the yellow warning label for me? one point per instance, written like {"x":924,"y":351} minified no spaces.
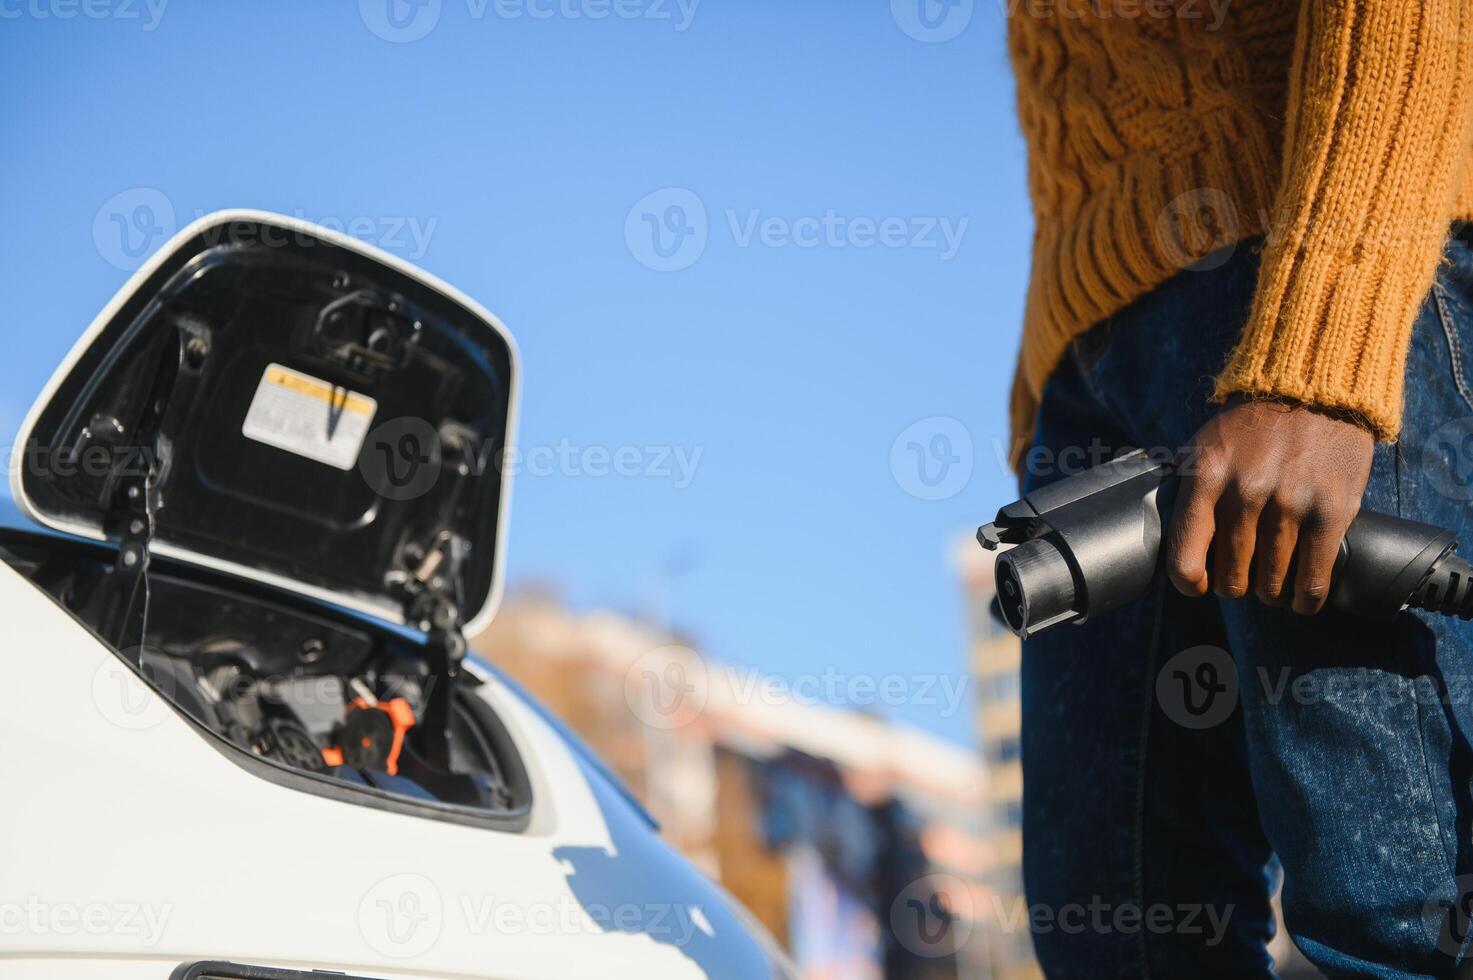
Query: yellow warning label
{"x":307,"y":416}
{"x":312,"y":388}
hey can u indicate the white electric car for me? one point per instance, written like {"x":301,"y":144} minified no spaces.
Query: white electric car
{"x":239,"y":735}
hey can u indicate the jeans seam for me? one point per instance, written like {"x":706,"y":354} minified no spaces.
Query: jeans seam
{"x":1138,"y":862}
{"x":1454,"y":345}
{"x":1442,"y":835}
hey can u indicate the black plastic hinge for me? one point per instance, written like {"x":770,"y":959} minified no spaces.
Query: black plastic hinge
{"x":434,"y":604}
{"x":130,"y":517}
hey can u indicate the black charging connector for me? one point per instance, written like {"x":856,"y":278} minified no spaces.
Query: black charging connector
{"x":1091,"y":542}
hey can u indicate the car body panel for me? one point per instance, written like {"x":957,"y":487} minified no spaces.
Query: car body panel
{"x":180,"y":854}
{"x":136,"y":840}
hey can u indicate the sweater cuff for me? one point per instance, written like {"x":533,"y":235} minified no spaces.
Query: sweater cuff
{"x":1337,"y":337}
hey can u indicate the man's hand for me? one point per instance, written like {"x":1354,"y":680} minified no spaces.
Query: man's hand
{"x":1261,"y":483}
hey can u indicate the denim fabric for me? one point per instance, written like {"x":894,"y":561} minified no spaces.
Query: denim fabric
{"x":1178,"y":752}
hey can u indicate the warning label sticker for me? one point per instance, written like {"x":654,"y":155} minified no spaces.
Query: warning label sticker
{"x":309,"y":417}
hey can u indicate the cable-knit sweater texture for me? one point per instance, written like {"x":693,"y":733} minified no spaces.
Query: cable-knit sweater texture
{"x":1159,"y":131}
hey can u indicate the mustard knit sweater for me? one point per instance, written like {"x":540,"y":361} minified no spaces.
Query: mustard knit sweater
{"x":1161,"y":130}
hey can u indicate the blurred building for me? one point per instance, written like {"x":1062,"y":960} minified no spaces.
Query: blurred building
{"x":858,"y":843}
{"x":995,"y":656}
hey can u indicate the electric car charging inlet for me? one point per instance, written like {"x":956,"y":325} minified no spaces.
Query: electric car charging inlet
{"x":268,"y":513}
{"x":1091,"y":542}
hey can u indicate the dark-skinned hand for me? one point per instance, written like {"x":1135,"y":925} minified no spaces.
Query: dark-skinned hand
{"x":1264,"y":485}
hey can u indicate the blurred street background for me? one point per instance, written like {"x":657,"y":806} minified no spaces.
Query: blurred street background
{"x":869,"y":848}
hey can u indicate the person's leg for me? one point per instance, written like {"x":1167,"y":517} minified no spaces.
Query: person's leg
{"x":1360,"y":769}
{"x":1142,"y":852}
{"x":1357,"y":731}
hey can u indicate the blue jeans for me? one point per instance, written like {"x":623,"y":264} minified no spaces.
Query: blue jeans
{"x":1178,"y":752}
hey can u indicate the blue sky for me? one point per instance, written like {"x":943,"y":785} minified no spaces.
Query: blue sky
{"x":833,"y":299}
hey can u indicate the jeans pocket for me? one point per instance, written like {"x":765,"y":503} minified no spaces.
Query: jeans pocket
{"x":1455,"y":319}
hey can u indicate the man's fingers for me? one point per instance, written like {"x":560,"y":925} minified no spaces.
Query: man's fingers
{"x":1236,"y":517}
{"x":1319,"y":544}
{"x":1267,"y":490}
{"x":1192,"y":526}
{"x":1278,"y":533}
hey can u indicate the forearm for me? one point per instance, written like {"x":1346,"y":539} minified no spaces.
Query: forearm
{"x":1377,"y":125}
